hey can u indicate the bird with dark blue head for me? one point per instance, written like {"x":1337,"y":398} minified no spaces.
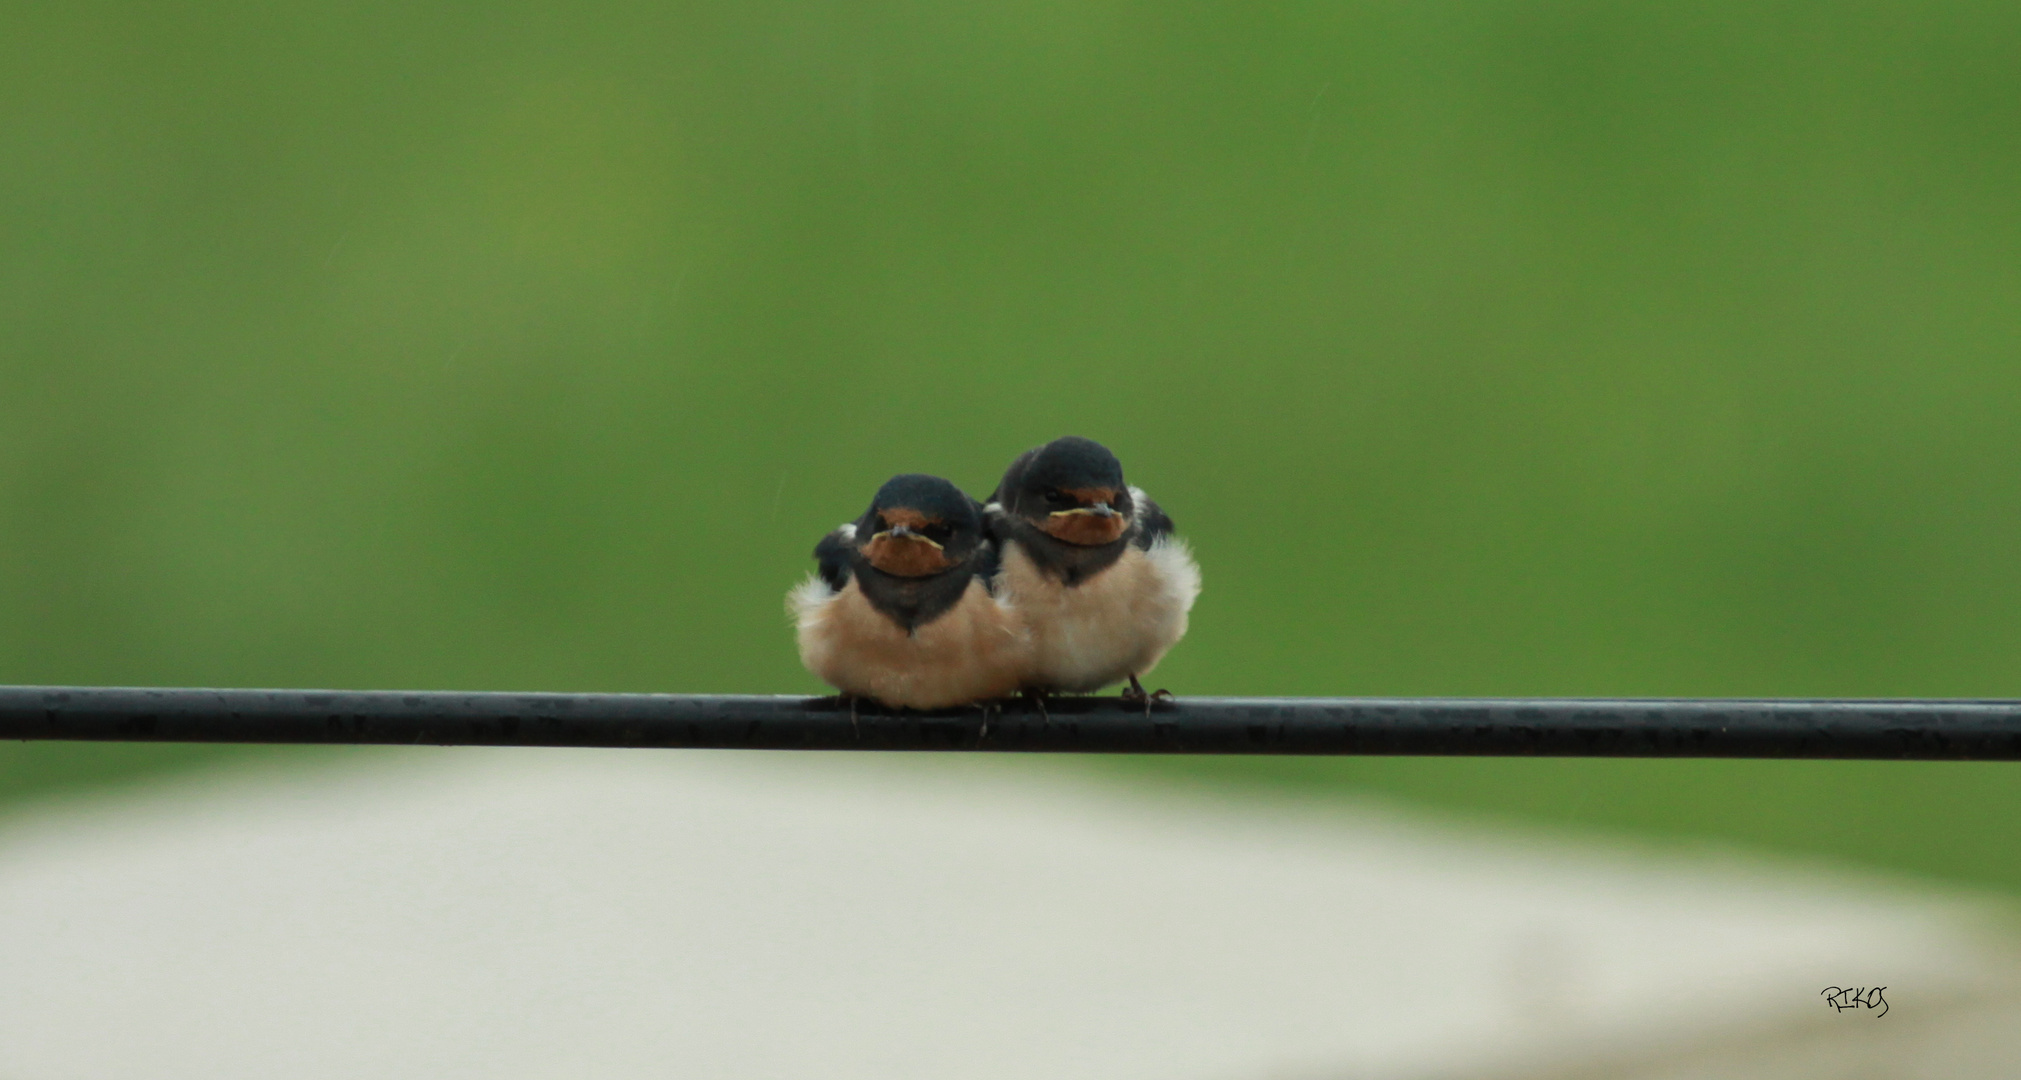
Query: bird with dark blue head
{"x":1093,"y":567}
{"x":901,"y":608}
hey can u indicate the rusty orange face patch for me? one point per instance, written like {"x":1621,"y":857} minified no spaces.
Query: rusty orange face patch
{"x":1087,"y":530}
{"x":906,"y":556}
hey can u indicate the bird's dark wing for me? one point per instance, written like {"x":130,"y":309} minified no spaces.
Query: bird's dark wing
{"x":831,"y":557}
{"x":1152,"y":523}
{"x":996,"y":529}
{"x":988,"y":560}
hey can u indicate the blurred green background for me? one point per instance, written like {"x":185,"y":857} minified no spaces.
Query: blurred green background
{"x":1498,"y":347}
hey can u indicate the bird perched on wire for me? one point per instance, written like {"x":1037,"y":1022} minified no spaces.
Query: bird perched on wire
{"x":901,"y":608}
{"x":1093,"y":567}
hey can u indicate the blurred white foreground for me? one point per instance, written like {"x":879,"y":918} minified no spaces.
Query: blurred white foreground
{"x":502,"y":914}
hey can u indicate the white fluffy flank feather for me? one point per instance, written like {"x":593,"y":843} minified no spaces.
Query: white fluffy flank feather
{"x":807,"y":599}
{"x":1177,"y":571}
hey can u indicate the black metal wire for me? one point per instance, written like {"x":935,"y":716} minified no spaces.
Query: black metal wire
{"x":1932,"y":730}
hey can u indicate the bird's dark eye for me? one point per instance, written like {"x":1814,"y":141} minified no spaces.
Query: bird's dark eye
{"x":939,"y":534}
{"x":1055,"y":495}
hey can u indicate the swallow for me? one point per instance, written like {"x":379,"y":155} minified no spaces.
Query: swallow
{"x":1093,"y":567}
{"x":901,"y":606}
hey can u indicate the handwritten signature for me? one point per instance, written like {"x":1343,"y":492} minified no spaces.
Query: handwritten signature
{"x":1842,"y":998}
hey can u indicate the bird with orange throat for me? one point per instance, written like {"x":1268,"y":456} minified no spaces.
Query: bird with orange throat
{"x":903,"y":606}
{"x":1093,"y":568}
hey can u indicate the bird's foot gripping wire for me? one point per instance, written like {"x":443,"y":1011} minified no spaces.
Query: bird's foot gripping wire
{"x":1037,"y":698}
{"x":854,"y":727}
{"x":1135,"y":695}
{"x":985,"y":706}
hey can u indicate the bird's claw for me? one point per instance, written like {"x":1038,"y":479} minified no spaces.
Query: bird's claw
{"x":1038,"y":698}
{"x":1134,"y":695}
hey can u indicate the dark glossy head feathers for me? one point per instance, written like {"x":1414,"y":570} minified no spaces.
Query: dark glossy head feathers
{"x":1072,"y":489}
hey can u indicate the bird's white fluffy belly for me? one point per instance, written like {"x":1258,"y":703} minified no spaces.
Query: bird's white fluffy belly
{"x":1118,"y":623}
{"x":976,"y":650}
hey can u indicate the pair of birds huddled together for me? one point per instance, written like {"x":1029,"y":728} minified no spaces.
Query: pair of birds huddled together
{"x":1066,"y":581}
